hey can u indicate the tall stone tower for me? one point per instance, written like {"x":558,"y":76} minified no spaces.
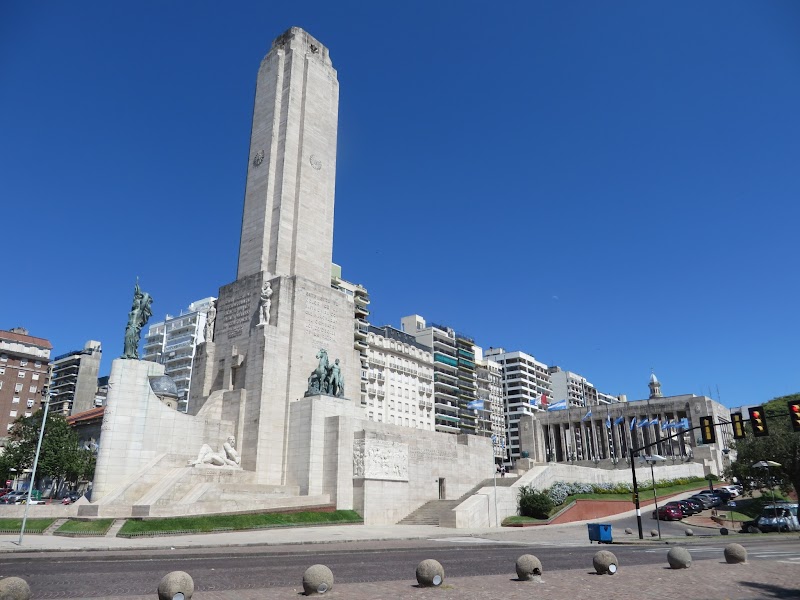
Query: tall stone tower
{"x":281,"y":310}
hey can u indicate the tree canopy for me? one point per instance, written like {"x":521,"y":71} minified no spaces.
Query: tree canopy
{"x":60,"y":456}
{"x":782,"y":446}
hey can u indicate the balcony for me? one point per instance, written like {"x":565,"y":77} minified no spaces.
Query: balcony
{"x":441,"y":427}
{"x":361,"y":311}
{"x":445,"y":395}
{"x":381,"y":392}
{"x":360,"y":345}
{"x":425,"y":403}
{"x":377,"y":361}
{"x":448,"y":408}
{"x":361,"y":331}
{"x":371,"y":375}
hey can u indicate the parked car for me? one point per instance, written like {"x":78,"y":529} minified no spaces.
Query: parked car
{"x":733,"y":490}
{"x":696,"y":505}
{"x":668,"y":513}
{"x":724,"y":495}
{"x":703,"y":501}
{"x":689,"y":507}
{"x":684,"y":509}
{"x":778,"y":517}
{"x":713,"y":498}
{"x":13,"y":498}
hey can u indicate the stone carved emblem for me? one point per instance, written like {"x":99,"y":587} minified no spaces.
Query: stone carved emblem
{"x":380,"y":459}
{"x":258,"y":158}
{"x":316,"y":163}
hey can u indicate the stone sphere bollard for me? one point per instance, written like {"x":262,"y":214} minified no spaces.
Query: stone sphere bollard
{"x":430,"y":573}
{"x":14,"y":588}
{"x":689,"y":531}
{"x":317,"y":579}
{"x":528,"y":567}
{"x":735,"y":553}
{"x":628,"y":531}
{"x":654,"y":533}
{"x":176,"y":585}
{"x":605,"y":562}
{"x":679,"y":558}
{"x":723,"y":531}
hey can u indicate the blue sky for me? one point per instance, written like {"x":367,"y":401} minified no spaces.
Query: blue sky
{"x":611,"y":187}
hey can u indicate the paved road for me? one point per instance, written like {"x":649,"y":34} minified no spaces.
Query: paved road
{"x":93,"y":576}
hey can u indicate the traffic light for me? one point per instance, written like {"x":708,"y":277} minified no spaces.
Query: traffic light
{"x":758,"y":421}
{"x":738,"y":426}
{"x":707,"y":430}
{"x":794,"y":414}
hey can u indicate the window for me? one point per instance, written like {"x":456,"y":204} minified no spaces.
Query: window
{"x":30,"y":402}
{"x":9,"y":426}
{"x":27,"y":414}
{"x":13,"y":413}
{"x":23,"y":362}
{"x":2,"y":370}
{"x":3,"y":357}
{"x":37,"y":364}
{"x":18,"y":388}
{"x":33,"y":389}
{"x":35,"y":376}
{"x":21,"y":374}
{"x":15,"y":400}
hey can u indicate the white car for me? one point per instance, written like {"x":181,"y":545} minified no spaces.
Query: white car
{"x":732,"y":490}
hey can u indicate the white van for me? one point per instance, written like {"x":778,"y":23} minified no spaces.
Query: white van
{"x":778,"y":517}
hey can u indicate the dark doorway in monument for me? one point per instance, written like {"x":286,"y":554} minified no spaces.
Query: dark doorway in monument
{"x":442,"y":489}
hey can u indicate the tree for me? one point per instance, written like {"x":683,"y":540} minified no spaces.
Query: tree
{"x":60,"y":457}
{"x":782,"y":446}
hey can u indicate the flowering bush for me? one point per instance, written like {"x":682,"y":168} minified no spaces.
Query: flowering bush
{"x":561,"y":490}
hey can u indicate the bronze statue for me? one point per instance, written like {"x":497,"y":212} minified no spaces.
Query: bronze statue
{"x":326,"y":378}
{"x":137,"y":318}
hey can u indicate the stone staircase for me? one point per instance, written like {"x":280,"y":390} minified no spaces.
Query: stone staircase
{"x":431,"y":512}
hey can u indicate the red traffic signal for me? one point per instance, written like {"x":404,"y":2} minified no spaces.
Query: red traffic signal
{"x":758,"y":422}
{"x":794,"y":414}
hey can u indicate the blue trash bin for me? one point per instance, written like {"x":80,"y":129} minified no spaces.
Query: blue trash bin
{"x":600,"y":533}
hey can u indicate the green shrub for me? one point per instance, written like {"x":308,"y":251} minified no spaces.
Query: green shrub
{"x":533,"y":504}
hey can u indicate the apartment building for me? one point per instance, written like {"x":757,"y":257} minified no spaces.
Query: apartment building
{"x":357,"y":294}
{"x":490,"y":393}
{"x":24,"y":373}
{"x":173,"y":343}
{"x":526,"y":388}
{"x":73,"y":387}
{"x":399,"y":387}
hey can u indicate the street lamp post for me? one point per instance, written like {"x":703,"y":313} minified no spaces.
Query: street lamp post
{"x":35,"y":464}
{"x":652,"y":460}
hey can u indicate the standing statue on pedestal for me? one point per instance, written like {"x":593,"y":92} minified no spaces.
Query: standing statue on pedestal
{"x":211,"y":318}
{"x":137,"y":318}
{"x":266,"y":304}
{"x":326,"y":378}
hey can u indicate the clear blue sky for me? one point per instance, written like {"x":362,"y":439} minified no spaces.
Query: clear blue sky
{"x":609,"y":186}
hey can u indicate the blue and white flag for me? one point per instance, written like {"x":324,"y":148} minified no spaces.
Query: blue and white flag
{"x":644,"y":422}
{"x":587,"y":415}
{"x":608,"y":422}
{"x":475,"y":405}
{"x":619,"y":420}
{"x":683,"y":423}
{"x":654,"y":421}
{"x":560,"y":405}
{"x":633,"y":424}
{"x":666,"y":425}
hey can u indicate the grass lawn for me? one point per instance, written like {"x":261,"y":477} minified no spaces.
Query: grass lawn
{"x":517,"y":520}
{"x":31,"y":525}
{"x":96,"y":527}
{"x":236,"y":522}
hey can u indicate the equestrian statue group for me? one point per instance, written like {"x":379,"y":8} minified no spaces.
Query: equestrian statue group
{"x":326,"y":378}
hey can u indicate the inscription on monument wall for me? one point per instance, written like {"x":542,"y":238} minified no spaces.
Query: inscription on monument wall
{"x":235,"y":307}
{"x":379,"y":459}
{"x":431,"y":454}
{"x":320,"y":320}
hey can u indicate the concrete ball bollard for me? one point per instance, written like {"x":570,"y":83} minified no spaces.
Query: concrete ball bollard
{"x":528,"y":567}
{"x":679,"y":558}
{"x":723,"y":531}
{"x":735,"y":553}
{"x":317,"y":579}
{"x":14,"y":588}
{"x":605,"y":562}
{"x":430,"y":573}
{"x":177,"y":585}
{"x":689,"y":531}
{"x":654,"y":533}
{"x":628,"y":531}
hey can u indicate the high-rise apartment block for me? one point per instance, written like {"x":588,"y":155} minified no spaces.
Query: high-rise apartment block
{"x":400,"y":379}
{"x":24,"y":372}
{"x":173,"y":343}
{"x":526,"y":382}
{"x":358,"y":295}
{"x":73,"y":386}
{"x":490,"y":393}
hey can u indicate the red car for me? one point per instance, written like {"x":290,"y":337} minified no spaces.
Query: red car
{"x":668,"y":513}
